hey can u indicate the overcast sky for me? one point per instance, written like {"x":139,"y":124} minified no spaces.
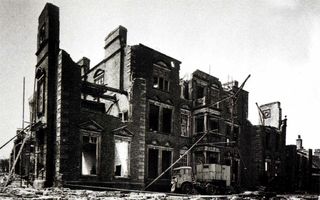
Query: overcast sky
{"x":277,"y":42}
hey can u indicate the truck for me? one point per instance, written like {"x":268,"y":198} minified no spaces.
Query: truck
{"x":208,"y":179}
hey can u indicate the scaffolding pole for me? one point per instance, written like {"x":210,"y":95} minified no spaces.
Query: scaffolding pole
{"x":8,"y":141}
{"x":22,"y":125}
{"x":14,"y":164}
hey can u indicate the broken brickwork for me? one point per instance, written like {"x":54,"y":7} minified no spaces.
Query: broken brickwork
{"x":268,"y":156}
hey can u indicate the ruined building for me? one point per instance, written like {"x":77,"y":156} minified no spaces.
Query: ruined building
{"x":268,"y":147}
{"x":302,"y":168}
{"x":124,"y":121}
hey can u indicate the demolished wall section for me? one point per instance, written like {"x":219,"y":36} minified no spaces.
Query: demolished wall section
{"x":67,"y":148}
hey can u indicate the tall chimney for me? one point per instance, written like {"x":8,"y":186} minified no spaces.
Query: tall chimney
{"x":299,"y":143}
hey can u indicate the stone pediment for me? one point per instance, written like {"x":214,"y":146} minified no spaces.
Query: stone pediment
{"x":91,"y":125}
{"x":122,"y":131}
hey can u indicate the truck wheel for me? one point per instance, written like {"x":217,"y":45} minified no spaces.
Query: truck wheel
{"x":187,"y":188}
{"x":210,"y":189}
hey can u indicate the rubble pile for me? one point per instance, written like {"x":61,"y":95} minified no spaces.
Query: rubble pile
{"x":66,"y":193}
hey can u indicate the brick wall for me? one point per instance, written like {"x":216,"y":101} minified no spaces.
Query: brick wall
{"x":47,"y":53}
{"x":67,"y":150}
{"x":138,"y":127}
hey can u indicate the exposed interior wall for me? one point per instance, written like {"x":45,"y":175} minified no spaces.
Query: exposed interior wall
{"x":272,"y":114}
{"x":121,"y":163}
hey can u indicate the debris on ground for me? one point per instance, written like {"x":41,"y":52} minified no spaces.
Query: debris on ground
{"x":66,"y":193}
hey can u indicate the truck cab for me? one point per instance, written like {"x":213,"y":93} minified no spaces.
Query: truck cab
{"x":182,"y":179}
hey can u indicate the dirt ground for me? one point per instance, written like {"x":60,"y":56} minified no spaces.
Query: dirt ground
{"x":66,"y":193}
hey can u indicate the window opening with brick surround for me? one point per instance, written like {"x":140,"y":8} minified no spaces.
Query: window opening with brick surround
{"x":122,"y":157}
{"x":159,"y":159}
{"x":160,"y":117}
{"x":90,"y":154}
{"x":215,"y":96}
{"x":213,"y":124}
{"x":166,"y":162}
{"x":199,"y":92}
{"x":41,"y":95}
{"x":161,"y":83}
{"x":166,"y":120}
{"x":199,"y":122}
{"x":185,"y":121}
{"x":154,"y":117}
{"x":161,"y":76}
{"x":185,"y":160}
{"x":153,"y":163}
{"x":99,"y":77}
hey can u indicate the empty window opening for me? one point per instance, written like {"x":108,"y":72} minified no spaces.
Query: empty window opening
{"x":153,"y":163}
{"x":99,"y":77}
{"x":228,"y":129}
{"x":42,"y":34}
{"x":166,"y":162}
{"x":153,"y":117}
{"x":184,"y":125}
{"x":200,"y":92}
{"x":236,"y":131}
{"x":235,"y":172}
{"x":215,"y":96}
{"x":121,"y":163}
{"x":266,"y":166}
{"x":200,"y":124}
{"x":40,"y":139}
{"x":184,"y":161}
{"x":166,"y":85}
{"x":212,"y":157}
{"x":172,"y":64}
{"x":161,"y":83}
{"x":155,"y":82}
{"x":123,"y":116}
{"x":199,"y":157}
{"x":228,"y":141}
{"x":166,"y":120}
{"x":89,"y":155}
{"x":213,"y":124}
{"x":185,"y":91}
{"x":40,"y":95}
{"x":227,"y":161}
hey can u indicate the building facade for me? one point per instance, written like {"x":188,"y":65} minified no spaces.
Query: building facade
{"x":124,"y":121}
{"x":127,"y":119}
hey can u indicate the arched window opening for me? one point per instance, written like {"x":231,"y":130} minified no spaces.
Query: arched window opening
{"x":99,"y":77}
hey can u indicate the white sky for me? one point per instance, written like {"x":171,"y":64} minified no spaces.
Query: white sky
{"x":277,"y":42}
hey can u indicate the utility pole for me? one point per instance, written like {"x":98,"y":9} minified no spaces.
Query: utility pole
{"x":22,"y":126}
